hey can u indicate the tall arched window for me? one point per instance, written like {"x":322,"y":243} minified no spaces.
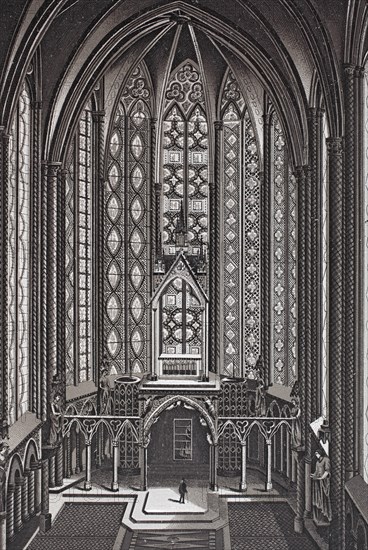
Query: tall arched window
{"x":240,"y":234}
{"x":185,"y":162}
{"x":126,"y":228}
{"x":19,"y":257}
{"x":79,"y":230}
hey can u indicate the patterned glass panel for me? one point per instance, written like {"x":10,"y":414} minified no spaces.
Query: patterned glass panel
{"x":181,"y":314}
{"x":126,"y":228}
{"x":240,"y":234}
{"x":279,"y":260}
{"x":85,"y":244}
{"x":19,"y":258}
{"x":185,"y":162}
{"x":197,"y":177}
{"x":174,"y":131}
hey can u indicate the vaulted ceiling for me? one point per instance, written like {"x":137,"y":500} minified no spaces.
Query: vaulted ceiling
{"x":289,"y":48}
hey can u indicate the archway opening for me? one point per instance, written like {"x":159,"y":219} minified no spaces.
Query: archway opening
{"x":178,"y":447}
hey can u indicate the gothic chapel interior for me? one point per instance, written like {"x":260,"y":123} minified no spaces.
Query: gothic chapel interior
{"x":184,"y":266}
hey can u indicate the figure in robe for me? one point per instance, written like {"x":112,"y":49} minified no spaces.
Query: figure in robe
{"x":56,"y":420}
{"x":260,"y":402}
{"x":104,"y":393}
{"x":322,"y":513}
{"x":296,"y":430}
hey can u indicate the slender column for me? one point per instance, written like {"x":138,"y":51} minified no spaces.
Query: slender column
{"x":293,"y":466}
{"x":25,"y":497}
{"x":308,"y":487}
{"x":265,"y":250}
{"x":10,"y":511}
{"x":4,"y":174}
{"x":87,"y":481}
{"x":288,"y":456}
{"x":214,"y":256}
{"x":68,"y":458}
{"x":243,"y":478}
{"x":308,"y":338}
{"x":18,"y":523}
{"x":282,"y":437}
{"x":59,"y":467}
{"x":60,"y":282}
{"x":37,"y":468}
{"x":313,"y":267}
{"x":261,"y":450}
{"x":52,"y":471}
{"x":98,"y":118}
{"x":155,"y":218}
{"x":31,"y":492}
{"x":52,"y":283}
{"x":300,"y":476}
{"x":45,"y":517}
{"x":115,"y":460}
{"x":351,"y":189}
{"x":77,"y":452}
{"x":300,"y":503}
{"x":336,"y":340}
{"x":43,"y":295}
{"x":2,"y":530}
{"x":143,"y":465}
{"x":35,"y":257}
{"x":269,"y":465}
{"x":213,"y":466}
{"x":359,"y":255}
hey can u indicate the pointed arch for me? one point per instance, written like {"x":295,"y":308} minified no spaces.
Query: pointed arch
{"x":170,"y":400}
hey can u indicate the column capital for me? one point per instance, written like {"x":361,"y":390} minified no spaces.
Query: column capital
{"x":349,"y":69}
{"x":334,"y":145}
{"x":219,"y":125}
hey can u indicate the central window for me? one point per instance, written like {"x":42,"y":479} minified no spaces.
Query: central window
{"x":182,"y":439}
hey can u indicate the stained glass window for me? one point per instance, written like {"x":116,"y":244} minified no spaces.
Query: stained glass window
{"x":185,"y":159}
{"x":78,"y":257}
{"x":19,"y":257}
{"x":240,"y":234}
{"x":127,"y":233}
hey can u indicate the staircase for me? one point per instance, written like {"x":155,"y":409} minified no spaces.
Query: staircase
{"x":167,"y":540}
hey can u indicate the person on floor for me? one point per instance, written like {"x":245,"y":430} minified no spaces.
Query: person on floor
{"x":182,"y":490}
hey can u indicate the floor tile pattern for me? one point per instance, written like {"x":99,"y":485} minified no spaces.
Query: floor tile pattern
{"x":265,"y":526}
{"x":82,"y":526}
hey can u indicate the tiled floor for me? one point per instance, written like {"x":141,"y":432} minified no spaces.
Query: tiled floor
{"x":82,"y":526}
{"x":265,"y":526}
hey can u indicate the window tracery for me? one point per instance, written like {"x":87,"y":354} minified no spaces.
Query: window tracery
{"x":240,"y":233}
{"x":19,"y":257}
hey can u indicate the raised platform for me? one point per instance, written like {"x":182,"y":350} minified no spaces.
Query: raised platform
{"x":158,"y":511}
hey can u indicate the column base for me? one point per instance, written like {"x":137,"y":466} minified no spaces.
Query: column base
{"x":268,"y":486}
{"x":299,"y":525}
{"x":243,"y":487}
{"x":87,"y":485}
{"x":114,"y":486}
{"x":45,"y":522}
{"x":214,"y":487}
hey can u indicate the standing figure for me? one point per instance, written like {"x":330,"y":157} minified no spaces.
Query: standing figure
{"x":104,"y":391}
{"x":182,"y":491}
{"x":56,"y":420}
{"x":322,"y":513}
{"x":296,"y":428}
{"x":260,"y":404}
